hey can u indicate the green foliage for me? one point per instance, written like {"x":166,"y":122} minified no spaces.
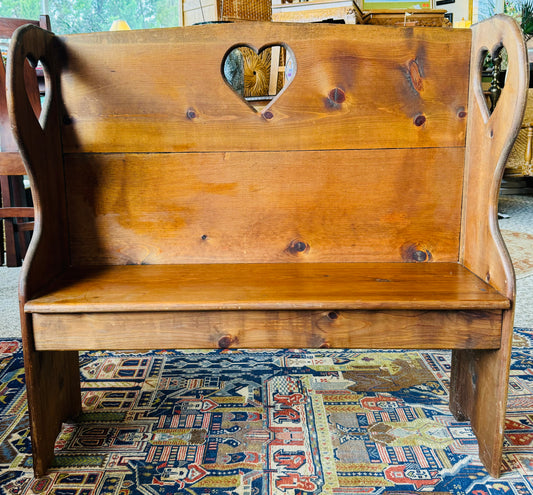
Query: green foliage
{"x":78,"y":16}
{"x":521,"y":10}
{"x":25,"y":9}
{"x":527,"y":19}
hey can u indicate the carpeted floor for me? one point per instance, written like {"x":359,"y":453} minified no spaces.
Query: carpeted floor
{"x":255,"y":422}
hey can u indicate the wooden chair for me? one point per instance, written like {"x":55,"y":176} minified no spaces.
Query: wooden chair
{"x":15,"y":209}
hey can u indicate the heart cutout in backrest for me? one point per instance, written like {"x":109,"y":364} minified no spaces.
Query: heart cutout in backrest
{"x":259,"y":76}
{"x":492,"y":78}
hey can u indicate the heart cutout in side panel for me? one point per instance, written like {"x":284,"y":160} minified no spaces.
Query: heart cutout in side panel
{"x":493,"y":65}
{"x":37,"y":88}
{"x":259,"y":76}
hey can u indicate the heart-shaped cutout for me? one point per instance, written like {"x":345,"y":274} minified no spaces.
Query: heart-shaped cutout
{"x":259,"y":76}
{"x":37,"y":88}
{"x":493,"y":66}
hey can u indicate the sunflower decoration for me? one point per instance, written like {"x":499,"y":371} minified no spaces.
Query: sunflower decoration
{"x":256,"y":71}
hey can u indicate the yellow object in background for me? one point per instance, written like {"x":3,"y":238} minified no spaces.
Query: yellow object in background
{"x":119,"y":25}
{"x":462,"y":23}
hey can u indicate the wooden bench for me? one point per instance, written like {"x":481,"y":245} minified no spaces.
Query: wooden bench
{"x":358,"y":208}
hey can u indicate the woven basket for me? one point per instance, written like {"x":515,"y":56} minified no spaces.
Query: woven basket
{"x":245,"y":10}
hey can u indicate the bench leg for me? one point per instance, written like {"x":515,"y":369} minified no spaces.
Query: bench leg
{"x":53,"y":390}
{"x":478,"y":392}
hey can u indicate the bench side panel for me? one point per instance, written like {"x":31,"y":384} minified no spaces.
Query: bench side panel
{"x":481,"y":378}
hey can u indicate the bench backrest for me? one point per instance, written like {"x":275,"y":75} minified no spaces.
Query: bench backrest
{"x":360,"y":158}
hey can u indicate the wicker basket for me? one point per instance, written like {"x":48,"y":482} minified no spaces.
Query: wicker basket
{"x":245,"y":10}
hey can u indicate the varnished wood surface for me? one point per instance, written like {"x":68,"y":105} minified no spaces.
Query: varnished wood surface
{"x":489,"y":142}
{"x":479,"y":382}
{"x":269,"y":329}
{"x":162,"y":90}
{"x":245,"y":187}
{"x":9,"y":24}
{"x":52,"y":378}
{"x":16,"y":211}
{"x":39,"y":141}
{"x":11,"y":163}
{"x":269,"y":287}
{"x":256,"y":207}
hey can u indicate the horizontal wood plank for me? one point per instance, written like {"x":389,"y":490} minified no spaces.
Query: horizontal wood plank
{"x":281,"y":286}
{"x":257,"y":207}
{"x":9,"y":25}
{"x":404,"y":87}
{"x":11,"y":163}
{"x":25,"y":226}
{"x":269,"y":329}
{"x":17,"y":212}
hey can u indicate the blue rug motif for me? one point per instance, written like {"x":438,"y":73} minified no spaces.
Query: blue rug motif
{"x":289,"y":422}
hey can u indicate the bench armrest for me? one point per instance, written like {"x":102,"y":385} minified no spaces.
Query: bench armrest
{"x":39,"y":141}
{"x":490,"y":137}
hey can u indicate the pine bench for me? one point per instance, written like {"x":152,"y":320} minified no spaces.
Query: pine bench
{"x":356,"y":208}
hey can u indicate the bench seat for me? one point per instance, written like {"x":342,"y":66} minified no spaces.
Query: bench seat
{"x":324,"y":304}
{"x":262,"y":286}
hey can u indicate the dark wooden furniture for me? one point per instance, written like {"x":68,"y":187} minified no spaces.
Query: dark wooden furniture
{"x":15,"y":211}
{"x":357,"y":209}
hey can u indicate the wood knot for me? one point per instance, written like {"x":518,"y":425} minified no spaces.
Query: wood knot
{"x":191,"y":113}
{"x":227,"y":341}
{"x":325,"y":345}
{"x":337,"y":95}
{"x":421,"y":256}
{"x":268,"y":115}
{"x":416,"y":253}
{"x":297,"y":247}
{"x":420,"y":120}
{"x":333,"y":315}
{"x":415,"y":76}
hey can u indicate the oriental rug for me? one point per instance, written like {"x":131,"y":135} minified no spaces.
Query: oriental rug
{"x":289,"y":422}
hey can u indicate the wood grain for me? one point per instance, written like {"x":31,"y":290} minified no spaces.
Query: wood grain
{"x":39,"y":141}
{"x":264,"y":286}
{"x":11,"y":163}
{"x":342,"y":215}
{"x":12,"y":189}
{"x":9,"y":24}
{"x":16,"y":211}
{"x":255,"y":207}
{"x":117,"y":105}
{"x":481,"y":378}
{"x":52,"y":378}
{"x":269,"y":329}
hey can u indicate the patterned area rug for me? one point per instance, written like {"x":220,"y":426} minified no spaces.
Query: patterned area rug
{"x":288,"y":422}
